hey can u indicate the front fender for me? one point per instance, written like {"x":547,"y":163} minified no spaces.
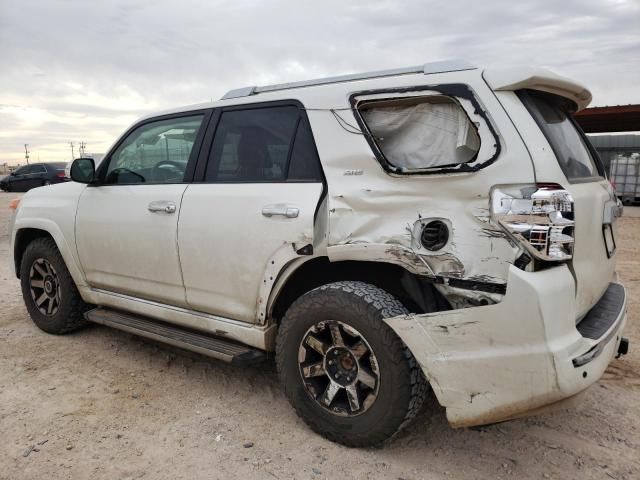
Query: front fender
{"x":66,"y":250}
{"x":52,"y":210}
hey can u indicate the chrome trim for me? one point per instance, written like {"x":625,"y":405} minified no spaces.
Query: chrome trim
{"x":282,"y":210}
{"x":161,"y":206}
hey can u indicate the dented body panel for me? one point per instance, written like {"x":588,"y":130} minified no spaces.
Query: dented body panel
{"x":377,"y":216}
{"x":492,"y":363}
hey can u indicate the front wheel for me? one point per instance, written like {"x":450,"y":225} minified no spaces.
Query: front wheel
{"x":49,"y":293}
{"x":347,"y":374}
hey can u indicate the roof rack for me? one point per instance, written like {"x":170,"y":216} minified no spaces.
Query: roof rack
{"x":426,"y":69}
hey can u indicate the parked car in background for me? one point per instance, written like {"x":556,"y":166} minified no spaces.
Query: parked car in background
{"x":34,"y":175}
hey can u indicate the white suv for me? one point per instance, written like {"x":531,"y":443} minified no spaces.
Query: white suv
{"x":440,"y":225}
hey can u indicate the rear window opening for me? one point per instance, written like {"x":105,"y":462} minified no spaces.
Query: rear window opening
{"x":423,"y":132}
{"x":426,"y":132}
{"x":552,"y":113}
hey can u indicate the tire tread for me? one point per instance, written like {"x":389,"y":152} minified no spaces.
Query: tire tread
{"x":74,"y":318}
{"x":385,"y":305}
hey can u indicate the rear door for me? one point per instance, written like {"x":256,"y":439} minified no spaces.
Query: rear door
{"x":253,"y":210}
{"x":127,"y":226}
{"x":577,"y":168}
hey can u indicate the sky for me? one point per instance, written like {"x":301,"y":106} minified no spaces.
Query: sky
{"x":73,"y":71}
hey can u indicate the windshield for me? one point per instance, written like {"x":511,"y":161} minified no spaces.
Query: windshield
{"x":552,"y":113}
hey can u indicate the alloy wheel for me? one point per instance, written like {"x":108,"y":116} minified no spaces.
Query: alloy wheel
{"x":45,"y":287}
{"x":339,"y":369}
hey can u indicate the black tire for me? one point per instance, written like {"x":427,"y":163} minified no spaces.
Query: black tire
{"x":401,"y":386}
{"x":69,"y":307}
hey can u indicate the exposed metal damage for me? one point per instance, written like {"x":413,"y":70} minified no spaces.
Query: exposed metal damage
{"x":456,"y":271}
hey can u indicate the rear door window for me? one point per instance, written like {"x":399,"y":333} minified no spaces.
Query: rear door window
{"x":269,"y":144}
{"x":570,"y":145}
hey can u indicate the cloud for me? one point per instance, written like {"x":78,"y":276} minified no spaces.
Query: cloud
{"x":87,"y":69}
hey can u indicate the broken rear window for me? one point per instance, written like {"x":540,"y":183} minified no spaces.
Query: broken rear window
{"x":424,"y":132}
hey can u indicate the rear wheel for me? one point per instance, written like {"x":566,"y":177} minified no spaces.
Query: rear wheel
{"x":49,"y":293}
{"x":347,"y":374}
{"x":46,"y":182}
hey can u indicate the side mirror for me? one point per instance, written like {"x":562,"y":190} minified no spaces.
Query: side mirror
{"x":83,"y":170}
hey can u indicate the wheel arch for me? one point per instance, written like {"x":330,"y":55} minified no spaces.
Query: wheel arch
{"x":416,"y":293}
{"x":23,"y":238}
{"x":24,"y":234}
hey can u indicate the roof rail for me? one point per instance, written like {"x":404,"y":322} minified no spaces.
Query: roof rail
{"x":426,"y":69}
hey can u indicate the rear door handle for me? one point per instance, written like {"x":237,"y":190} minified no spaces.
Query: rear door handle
{"x":161,"y":206}
{"x":280,"y":209}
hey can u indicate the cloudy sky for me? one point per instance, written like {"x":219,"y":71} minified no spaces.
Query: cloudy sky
{"x":84,"y":70}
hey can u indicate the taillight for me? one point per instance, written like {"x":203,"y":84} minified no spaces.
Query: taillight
{"x":540,"y":217}
{"x":60,"y":175}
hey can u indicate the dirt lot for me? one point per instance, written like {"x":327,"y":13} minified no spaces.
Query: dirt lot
{"x":103,"y":404}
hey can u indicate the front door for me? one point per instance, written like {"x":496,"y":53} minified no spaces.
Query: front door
{"x":126,"y":226}
{"x":253,"y":211}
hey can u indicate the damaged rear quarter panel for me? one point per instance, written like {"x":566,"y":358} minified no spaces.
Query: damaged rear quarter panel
{"x":378,"y":216}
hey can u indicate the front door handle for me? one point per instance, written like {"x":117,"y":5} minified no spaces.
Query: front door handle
{"x":161,"y":206}
{"x":282,"y":210}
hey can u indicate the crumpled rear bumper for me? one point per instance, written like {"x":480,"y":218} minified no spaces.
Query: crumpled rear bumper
{"x":492,"y":363}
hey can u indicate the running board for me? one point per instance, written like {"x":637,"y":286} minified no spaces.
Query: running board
{"x":194,"y":341}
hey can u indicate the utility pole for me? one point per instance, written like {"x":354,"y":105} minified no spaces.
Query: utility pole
{"x":73,"y":155}
{"x":26,"y":152}
{"x":82,"y":148}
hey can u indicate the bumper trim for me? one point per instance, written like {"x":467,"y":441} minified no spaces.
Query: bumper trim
{"x":614,"y":326}
{"x":604,"y":313}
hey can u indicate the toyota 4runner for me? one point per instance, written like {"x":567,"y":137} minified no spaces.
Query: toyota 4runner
{"x":438,"y":226}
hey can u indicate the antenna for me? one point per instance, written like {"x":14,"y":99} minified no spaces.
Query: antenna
{"x":26,"y":152}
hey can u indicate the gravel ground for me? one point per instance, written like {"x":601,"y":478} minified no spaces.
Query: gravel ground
{"x":102,"y":404}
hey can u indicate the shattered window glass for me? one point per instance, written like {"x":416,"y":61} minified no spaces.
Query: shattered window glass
{"x":422,"y":132}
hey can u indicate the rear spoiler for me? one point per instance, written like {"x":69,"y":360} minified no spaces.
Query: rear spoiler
{"x":510,"y":79}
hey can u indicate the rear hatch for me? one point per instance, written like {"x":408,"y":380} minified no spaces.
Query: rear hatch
{"x":582,"y":174}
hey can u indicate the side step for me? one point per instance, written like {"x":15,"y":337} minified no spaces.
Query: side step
{"x":192,"y":340}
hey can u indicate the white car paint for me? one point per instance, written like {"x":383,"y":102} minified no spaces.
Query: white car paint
{"x":218,"y":264}
{"x":125,"y":248}
{"x":223,"y":273}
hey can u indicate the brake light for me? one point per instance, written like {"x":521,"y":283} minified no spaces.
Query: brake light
{"x":539,"y":217}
